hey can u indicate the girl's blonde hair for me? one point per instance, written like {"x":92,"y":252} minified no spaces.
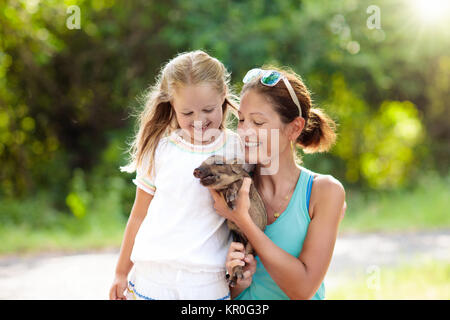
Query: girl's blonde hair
{"x":157,"y":119}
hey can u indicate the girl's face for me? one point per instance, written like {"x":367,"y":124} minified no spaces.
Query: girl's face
{"x":265,"y":137}
{"x":198,"y":109}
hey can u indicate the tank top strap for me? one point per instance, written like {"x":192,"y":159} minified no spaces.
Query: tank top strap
{"x":307,"y":177}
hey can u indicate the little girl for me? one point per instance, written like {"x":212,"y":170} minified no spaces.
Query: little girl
{"x":174,"y":242}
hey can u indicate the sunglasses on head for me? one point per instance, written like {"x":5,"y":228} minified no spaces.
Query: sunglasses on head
{"x":270,"y":78}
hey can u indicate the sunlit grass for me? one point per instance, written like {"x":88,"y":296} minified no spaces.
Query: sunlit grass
{"x":416,"y":280}
{"x":424,"y":207}
{"x":25,"y":240}
{"x":33,"y":225}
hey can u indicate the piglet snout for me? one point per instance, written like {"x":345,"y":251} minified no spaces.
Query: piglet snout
{"x":199,"y":172}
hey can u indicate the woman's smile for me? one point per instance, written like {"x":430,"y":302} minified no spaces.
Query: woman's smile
{"x":248,"y":144}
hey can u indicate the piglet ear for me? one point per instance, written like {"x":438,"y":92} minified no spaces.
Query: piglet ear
{"x":235,"y":161}
{"x":214,"y":159}
{"x":236,"y":165}
{"x":237,"y":168}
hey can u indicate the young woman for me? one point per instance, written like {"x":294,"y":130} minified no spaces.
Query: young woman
{"x":304,"y":208}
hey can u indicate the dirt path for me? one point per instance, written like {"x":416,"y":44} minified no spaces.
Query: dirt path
{"x":89,"y":275}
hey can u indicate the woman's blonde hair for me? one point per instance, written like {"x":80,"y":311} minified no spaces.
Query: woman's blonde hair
{"x":157,"y":119}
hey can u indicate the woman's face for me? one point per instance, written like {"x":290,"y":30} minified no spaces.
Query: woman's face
{"x":264,"y":135}
{"x":198,"y":110}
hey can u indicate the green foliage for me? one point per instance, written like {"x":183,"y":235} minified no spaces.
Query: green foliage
{"x":35,"y":224}
{"x":66,"y":95}
{"x":390,"y":141}
{"x":79,"y":198}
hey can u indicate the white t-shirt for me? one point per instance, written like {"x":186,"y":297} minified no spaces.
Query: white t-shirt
{"x":181,"y":226}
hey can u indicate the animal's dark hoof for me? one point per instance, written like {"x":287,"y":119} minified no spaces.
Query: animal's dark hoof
{"x":232,"y":281}
{"x":236,"y":274}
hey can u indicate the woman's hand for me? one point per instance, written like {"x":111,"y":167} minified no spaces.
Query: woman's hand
{"x":118,"y":288}
{"x":240,"y":214}
{"x":236,"y":257}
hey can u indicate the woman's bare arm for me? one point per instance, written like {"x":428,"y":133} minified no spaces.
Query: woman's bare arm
{"x":298,"y":277}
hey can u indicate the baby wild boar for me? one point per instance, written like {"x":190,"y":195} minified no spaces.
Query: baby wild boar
{"x":226,"y":177}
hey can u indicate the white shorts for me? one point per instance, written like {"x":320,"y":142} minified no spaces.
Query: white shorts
{"x":156,"y":281}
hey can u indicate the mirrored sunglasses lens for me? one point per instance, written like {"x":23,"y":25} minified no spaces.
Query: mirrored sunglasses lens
{"x":271,"y":78}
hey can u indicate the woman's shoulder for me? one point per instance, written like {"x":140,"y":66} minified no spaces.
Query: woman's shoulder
{"x":325,"y":186}
{"x":327,"y":183}
{"x":329,"y":193}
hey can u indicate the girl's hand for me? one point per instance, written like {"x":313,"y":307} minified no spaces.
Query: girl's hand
{"x":239,"y":214}
{"x":118,"y":288}
{"x":236,"y":257}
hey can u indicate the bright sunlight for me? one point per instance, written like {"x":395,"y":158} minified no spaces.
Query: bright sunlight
{"x":432,"y":11}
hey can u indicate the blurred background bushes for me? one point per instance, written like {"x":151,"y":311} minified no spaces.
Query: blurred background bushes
{"x":66,"y":96}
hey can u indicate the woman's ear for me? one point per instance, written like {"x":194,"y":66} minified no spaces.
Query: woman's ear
{"x":296,"y":128}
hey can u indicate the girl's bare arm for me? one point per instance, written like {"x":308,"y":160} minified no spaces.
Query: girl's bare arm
{"x":138,"y":213}
{"x":124,"y":264}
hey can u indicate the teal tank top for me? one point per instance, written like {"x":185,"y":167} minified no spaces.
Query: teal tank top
{"x":288,"y":232}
